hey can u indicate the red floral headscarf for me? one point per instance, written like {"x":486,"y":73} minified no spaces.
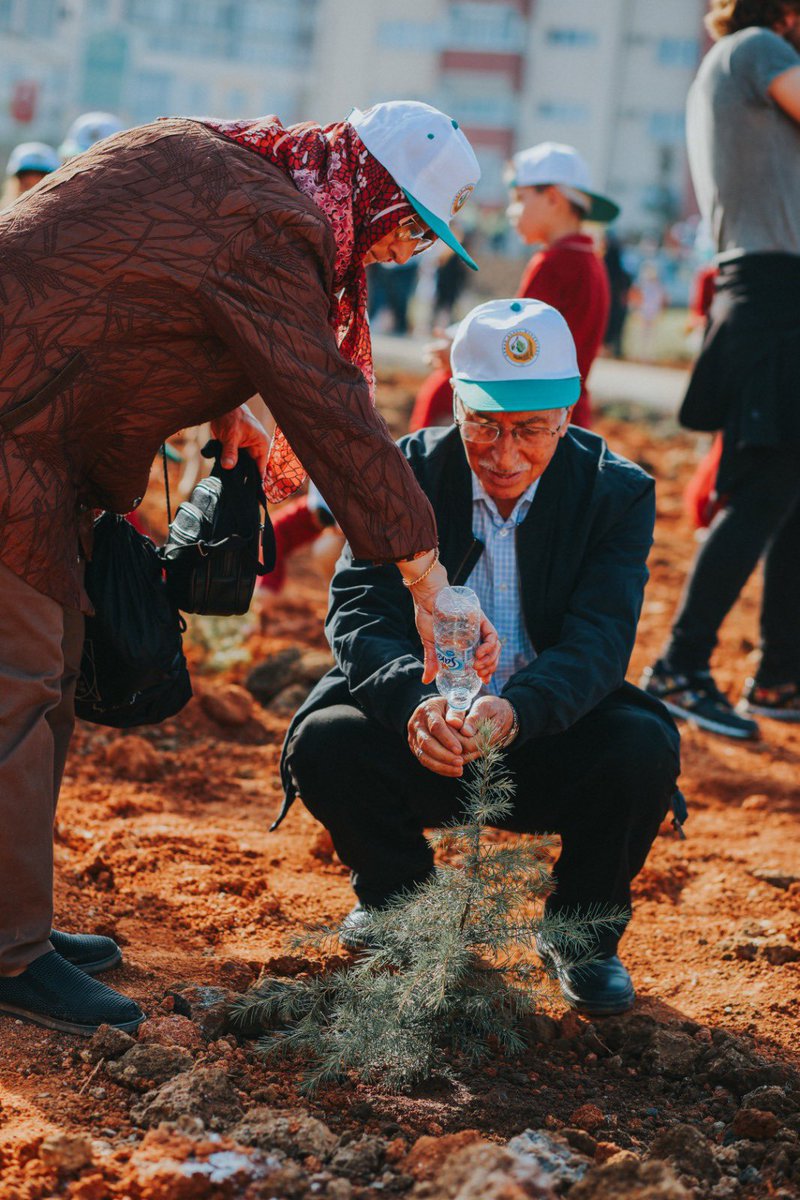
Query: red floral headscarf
{"x":331,"y":165}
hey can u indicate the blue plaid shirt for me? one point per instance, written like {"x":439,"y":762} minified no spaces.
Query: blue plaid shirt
{"x":495,"y":580}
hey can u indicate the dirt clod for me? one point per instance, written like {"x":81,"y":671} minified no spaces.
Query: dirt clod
{"x":206,"y":1092}
{"x":672,"y":1053}
{"x":688,"y":1151}
{"x":171,"y":1030}
{"x":359,"y":1160}
{"x":207,"y":1007}
{"x":588,"y":1117}
{"x":107,"y":1043}
{"x":754,"y":1124}
{"x":147,"y":1065}
{"x":292,"y":1131}
{"x":624,"y":1177}
{"x":66,"y":1153}
{"x":229,"y":705}
{"x":484,"y":1171}
{"x":134,"y":758}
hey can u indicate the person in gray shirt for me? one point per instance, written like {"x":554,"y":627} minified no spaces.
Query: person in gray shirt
{"x":743,"y":131}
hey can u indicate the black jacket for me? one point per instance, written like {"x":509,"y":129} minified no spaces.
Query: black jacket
{"x":582,"y":552}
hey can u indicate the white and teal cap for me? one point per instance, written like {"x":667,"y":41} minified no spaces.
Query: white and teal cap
{"x":88,"y":129}
{"x":32,"y":156}
{"x":556,"y":165}
{"x":515,"y":356}
{"x":428,"y":156}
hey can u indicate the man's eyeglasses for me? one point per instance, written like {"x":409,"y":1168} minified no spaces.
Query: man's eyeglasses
{"x":484,"y":433}
{"x":411,"y":229}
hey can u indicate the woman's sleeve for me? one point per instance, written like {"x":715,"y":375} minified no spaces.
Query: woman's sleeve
{"x":265,"y":298}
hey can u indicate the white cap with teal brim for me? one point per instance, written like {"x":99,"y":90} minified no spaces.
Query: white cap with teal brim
{"x":552,"y":164}
{"x":88,"y":129}
{"x":32,"y":156}
{"x":515,"y":356}
{"x":429,"y":158}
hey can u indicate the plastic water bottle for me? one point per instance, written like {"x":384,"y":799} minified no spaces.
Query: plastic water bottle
{"x":456,"y":632}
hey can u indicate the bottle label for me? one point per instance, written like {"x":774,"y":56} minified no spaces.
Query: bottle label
{"x":450,"y":658}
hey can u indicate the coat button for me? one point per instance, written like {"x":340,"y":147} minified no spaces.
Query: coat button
{"x":135,"y":503}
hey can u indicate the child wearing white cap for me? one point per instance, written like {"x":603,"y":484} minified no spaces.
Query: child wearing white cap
{"x":551,"y":196}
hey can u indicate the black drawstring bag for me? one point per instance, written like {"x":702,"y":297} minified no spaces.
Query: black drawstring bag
{"x":211,"y":556}
{"x":133,"y":671}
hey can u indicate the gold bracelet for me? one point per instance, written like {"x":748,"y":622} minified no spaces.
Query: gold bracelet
{"x":412,"y":583}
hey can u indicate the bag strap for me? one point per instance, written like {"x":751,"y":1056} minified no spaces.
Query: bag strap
{"x":166,"y":481}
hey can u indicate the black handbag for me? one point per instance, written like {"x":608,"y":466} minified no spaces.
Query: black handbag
{"x":211,"y":556}
{"x":133,"y":671}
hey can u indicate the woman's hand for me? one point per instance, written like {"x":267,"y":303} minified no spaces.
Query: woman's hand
{"x":424,"y":595}
{"x":239,"y":430}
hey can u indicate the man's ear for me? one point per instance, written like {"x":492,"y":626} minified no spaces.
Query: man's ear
{"x":567,"y":421}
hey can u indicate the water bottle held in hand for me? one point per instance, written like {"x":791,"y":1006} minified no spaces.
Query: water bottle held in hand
{"x":456,"y":632}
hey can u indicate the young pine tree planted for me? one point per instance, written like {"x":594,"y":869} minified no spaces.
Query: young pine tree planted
{"x":453,"y":968}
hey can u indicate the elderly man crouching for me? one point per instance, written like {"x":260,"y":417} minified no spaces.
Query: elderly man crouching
{"x":552,"y":531}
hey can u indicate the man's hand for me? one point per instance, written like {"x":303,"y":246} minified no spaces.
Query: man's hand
{"x":239,"y":430}
{"x":486,"y":708}
{"x":432,"y":740}
{"x":487,"y":654}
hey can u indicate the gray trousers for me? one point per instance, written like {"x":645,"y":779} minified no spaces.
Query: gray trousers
{"x":40,"y":653}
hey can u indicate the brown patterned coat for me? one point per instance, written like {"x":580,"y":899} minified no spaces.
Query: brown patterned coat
{"x":157,"y":282}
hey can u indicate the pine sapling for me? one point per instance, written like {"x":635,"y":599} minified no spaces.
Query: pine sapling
{"x":452,"y":968}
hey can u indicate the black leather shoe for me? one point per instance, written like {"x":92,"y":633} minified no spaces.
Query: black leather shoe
{"x":355,"y":932}
{"x":54,"y":993}
{"x":599,"y":989}
{"x":88,"y":951}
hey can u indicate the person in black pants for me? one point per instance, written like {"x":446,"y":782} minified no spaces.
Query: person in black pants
{"x":743,"y":132}
{"x":552,"y":531}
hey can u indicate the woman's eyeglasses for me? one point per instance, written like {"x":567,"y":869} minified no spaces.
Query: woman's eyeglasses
{"x":411,"y":229}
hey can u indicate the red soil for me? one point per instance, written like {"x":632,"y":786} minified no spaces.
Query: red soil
{"x":182,"y":870}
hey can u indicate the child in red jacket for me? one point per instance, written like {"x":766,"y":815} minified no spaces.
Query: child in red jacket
{"x":551,"y":197}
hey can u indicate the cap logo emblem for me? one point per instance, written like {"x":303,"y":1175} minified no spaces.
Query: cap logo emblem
{"x":520,"y":348}
{"x":461,"y":197}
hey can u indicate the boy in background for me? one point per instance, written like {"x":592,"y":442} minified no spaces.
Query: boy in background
{"x":551,"y":197}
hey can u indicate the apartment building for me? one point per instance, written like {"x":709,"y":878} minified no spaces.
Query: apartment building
{"x":143,"y":59}
{"x":609,"y":76}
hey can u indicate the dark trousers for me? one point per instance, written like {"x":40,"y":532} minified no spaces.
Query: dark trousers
{"x":762,"y":517}
{"x":604,"y":785}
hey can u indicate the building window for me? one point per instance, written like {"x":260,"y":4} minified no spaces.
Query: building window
{"x":40,"y":18}
{"x":482,"y":112}
{"x":572,"y":38}
{"x":411,"y":35}
{"x":482,"y":26}
{"x":678,"y":52}
{"x":563,"y":110}
{"x":150,"y":95}
{"x":667,"y":128}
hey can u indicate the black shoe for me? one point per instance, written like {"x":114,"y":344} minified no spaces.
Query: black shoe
{"x":697,"y":699}
{"x":779,"y":703}
{"x":599,"y":989}
{"x":88,"y":951}
{"x":54,"y":993}
{"x":355,"y":931}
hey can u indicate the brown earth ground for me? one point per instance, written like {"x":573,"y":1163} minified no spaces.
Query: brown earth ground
{"x":182,"y":871}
